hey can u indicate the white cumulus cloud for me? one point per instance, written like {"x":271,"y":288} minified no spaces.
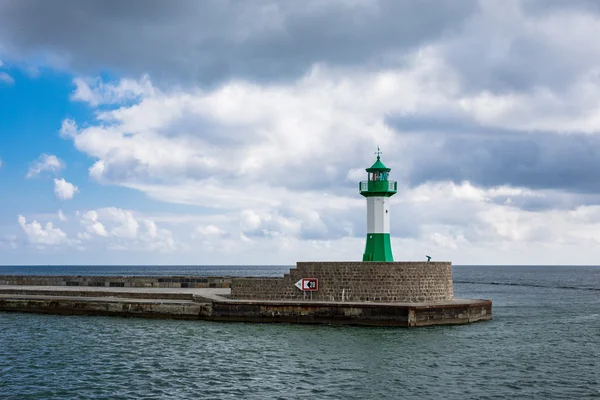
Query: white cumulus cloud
{"x":90,"y":220}
{"x":45,"y":163}
{"x":64,"y":190}
{"x":278,"y":167}
{"x":43,"y":236}
{"x":124,"y":230}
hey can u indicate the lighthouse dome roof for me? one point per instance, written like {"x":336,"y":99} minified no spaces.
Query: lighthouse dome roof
{"x":378,"y":166}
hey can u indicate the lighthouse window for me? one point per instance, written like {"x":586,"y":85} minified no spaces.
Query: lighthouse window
{"x":378,"y":176}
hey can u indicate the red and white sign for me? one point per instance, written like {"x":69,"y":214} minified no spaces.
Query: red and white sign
{"x":308,"y":284}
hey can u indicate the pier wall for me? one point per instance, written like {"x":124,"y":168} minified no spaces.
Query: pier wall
{"x":409,"y":315}
{"x":110,"y":307}
{"x":385,"y":282}
{"x":119,"y":281}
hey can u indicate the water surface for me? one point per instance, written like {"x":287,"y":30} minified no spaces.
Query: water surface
{"x":544,"y":342}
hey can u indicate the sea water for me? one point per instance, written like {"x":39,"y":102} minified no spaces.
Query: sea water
{"x":543,"y":343}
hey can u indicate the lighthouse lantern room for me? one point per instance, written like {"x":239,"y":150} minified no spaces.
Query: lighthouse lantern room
{"x":378,"y":190}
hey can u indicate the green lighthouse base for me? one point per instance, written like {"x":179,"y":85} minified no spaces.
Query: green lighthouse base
{"x":378,"y":248}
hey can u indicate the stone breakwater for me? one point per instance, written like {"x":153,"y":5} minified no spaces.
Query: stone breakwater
{"x":214,"y":305}
{"x":380,"y":282}
{"x":407,"y":294}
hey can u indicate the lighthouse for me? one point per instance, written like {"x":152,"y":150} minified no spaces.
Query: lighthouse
{"x":378,"y":190}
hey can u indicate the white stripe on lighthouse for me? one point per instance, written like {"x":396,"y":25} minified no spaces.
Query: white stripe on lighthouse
{"x":378,"y":215}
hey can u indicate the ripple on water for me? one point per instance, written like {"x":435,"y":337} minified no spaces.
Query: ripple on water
{"x":128,"y":358}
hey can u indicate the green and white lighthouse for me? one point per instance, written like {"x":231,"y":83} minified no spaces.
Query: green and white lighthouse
{"x":378,"y":190}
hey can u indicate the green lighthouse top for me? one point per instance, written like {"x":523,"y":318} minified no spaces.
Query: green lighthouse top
{"x":378,"y":166}
{"x":378,"y":183}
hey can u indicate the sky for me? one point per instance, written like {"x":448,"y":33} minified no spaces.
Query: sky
{"x":236,"y":132}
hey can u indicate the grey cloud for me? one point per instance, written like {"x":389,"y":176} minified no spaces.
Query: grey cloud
{"x":207,"y":41}
{"x":547,"y":6}
{"x":501,"y":52}
{"x":527,"y":63}
{"x":134,"y":171}
{"x":536,"y":160}
{"x":547,"y":200}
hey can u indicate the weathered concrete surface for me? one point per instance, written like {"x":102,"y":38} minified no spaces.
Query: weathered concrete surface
{"x":66,"y":305}
{"x":121,"y":292}
{"x":453,"y":312}
{"x":213,"y":304}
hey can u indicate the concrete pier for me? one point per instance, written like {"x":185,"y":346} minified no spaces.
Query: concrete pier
{"x":215,"y":304}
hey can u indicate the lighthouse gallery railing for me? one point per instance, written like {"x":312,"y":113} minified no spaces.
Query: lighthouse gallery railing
{"x":378,"y":186}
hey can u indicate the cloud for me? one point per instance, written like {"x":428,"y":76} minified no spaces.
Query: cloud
{"x":514,"y":46}
{"x":6,"y":78}
{"x":120,"y":229}
{"x":0,"y":163}
{"x":208,"y":230}
{"x":271,"y":133}
{"x":45,"y":163}
{"x":211,"y":42}
{"x":96,"y":92}
{"x":428,"y":107}
{"x":90,"y":220}
{"x":498,"y":45}
{"x":201,"y":147}
{"x":104,"y":230}
{"x":265,"y":115}
{"x":64,"y":190}
{"x":449,"y":218}
{"x":541,"y":160}
{"x":43,"y":236}
{"x":9,"y":241}
{"x":463,"y":223}
{"x":127,"y":226}
{"x":283,"y":158}
{"x":62,"y":216}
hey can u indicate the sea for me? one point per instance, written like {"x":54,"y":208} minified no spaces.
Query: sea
{"x":543,"y":343}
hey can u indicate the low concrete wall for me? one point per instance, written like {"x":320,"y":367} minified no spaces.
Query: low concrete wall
{"x":449,"y":313}
{"x":119,"y":281}
{"x":355,"y":282}
{"x":354,"y":313}
{"x":117,"y":307}
{"x":29,"y":291}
